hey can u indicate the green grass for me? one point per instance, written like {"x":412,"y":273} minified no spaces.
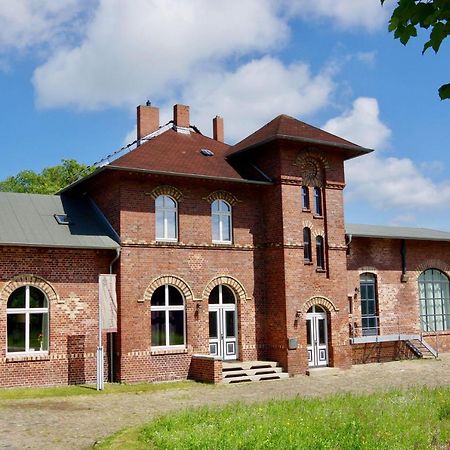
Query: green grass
{"x":412,"y":419}
{"x":69,"y":391}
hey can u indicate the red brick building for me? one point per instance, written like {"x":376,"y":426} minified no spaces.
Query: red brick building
{"x":221,"y":254}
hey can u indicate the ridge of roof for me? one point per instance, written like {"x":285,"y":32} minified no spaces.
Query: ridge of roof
{"x":290,"y":128}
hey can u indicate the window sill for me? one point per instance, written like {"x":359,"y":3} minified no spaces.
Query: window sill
{"x":320,"y":270}
{"x":11,"y":357}
{"x":317,"y":216}
{"x":166,"y":241}
{"x":306,"y":210}
{"x":222,"y":243}
{"x":308,"y":263}
{"x":168,"y":351}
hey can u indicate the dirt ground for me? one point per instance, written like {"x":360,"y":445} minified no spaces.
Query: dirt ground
{"x":78,"y":422}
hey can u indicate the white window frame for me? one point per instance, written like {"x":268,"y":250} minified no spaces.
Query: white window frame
{"x":27,"y":311}
{"x":166,"y":309}
{"x":164,"y":211}
{"x":222,"y":215}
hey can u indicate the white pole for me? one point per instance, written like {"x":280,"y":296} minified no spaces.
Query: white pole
{"x":100,"y":380}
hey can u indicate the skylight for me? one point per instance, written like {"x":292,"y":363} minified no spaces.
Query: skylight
{"x":206,"y":152}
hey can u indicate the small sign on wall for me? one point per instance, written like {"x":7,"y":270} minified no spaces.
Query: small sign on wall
{"x":292,"y":343}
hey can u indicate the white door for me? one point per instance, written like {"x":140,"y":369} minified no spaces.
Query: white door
{"x":317,"y":337}
{"x":222,"y":323}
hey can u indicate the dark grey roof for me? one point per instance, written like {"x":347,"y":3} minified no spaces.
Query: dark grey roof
{"x":29,"y":219}
{"x":382,"y":231}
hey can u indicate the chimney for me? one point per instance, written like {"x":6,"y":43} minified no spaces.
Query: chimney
{"x":218,"y":133}
{"x":147,"y":120}
{"x":181,"y":116}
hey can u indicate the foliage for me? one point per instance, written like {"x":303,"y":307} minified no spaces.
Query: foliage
{"x":429,"y":14}
{"x":415,"y":418}
{"x":84,"y":389}
{"x":49,"y":181}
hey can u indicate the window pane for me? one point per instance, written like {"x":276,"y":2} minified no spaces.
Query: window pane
{"x":230,"y":323}
{"x":159,"y":202}
{"x":16,"y":332}
{"x":159,"y":224}
{"x":158,"y":297}
{"x":38,"y":332}
{"x":37,"y":298}
{"x":215,"y":206}
{"x":213,"y":328}
{"x":175,"y":297}
{"x":171,"y":225}
{"x":226,"y":231}
{"x":227,"y":295}
{"x":176,"y":327}
{"x":169,"y":202}
{"x":215,"y":227}
{"x":308,"y":332}
{"x":158,"y":328}
{"x":17,"y":298}
{"x":322,"y":332}
{"x":224,"y":206}
{"x":214,"y":296}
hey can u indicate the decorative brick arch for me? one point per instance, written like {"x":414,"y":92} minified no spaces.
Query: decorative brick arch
{"x":226,"y":280}
{"x":312,"y":166}
{"x":222,"y":195}
{"x":168,"y":279}
{"x":321,"y":301}
{"x":432,"y":264}
{"x":167,"y":190}
{"x":29,"y":280}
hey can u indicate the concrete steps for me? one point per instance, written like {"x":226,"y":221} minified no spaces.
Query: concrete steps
{"x":247,"y":371}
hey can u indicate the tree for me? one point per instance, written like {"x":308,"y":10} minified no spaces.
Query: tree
{"x":429,"y":14}
{"x":49,"y":181}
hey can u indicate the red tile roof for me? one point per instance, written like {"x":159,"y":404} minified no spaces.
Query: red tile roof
{"x":287,"y":127}
{"x":180,"y":153}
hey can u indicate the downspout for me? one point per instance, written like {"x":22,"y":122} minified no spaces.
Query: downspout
{"x":349,"y":241}
{"x":404,"y":277}
{"x":118,"y":250}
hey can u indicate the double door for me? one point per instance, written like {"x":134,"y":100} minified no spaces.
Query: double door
{"x":223,"y":331}
{"x":317,"y":338}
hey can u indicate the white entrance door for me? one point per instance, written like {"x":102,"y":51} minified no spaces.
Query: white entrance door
{"x":222,"y":323}
{"x":316,"y":336}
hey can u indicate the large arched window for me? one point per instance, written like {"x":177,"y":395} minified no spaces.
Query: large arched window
{"x":434,"y":300}
{"x":168,"y":318}
{"x":166,"y":210}
{"x":27,"y":321}
{"x":369,"y":304}
{"x":307,"y":245}
{"x":221,"y":222}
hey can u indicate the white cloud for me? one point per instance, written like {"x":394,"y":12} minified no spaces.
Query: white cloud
{"x":346,"y":14}
{"x":361,"y":124}
{"x":149,"y":48}
{"x":29,"y":23}
{"x":384,"y":182}
{"x":255,"y":93}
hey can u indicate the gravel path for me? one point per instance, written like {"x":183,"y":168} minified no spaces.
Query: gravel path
{"x":78,"y":422}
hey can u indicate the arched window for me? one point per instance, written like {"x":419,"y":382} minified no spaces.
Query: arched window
{"x":166,"y":210}
{"x":168,"y":318}
{"x":27,"y":321}
{"x":307,"y":245}
{"x":317,"y":201}
{"x":369,"y":304}
{"x":320,"y":253}
{"x":305,"y":197}
{"x":434,"y":300}
{"x":221,"y":222}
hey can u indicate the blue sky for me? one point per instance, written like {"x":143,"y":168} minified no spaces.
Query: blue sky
{"x":73,"y":71}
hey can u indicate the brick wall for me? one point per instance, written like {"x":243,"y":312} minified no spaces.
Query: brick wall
{"x":71,"y":276}
{"x":206,"y":369}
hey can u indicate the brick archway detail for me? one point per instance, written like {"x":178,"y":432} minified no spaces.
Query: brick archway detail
{"x":432,"y":264}
{"x":168,"y":279}
{"x":29,"y":280}
{"x":167,"y":190}
{"x":231,"y":282}
{"x":222,"y":195}
{"x":322,"y":301}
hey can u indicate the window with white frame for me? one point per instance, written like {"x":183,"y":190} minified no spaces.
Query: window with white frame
{"x":221,"y":222}
{"x":168,"y":318}
{"x":317,"y":201}
{"x":27,"y":321}
{"x":305,"y":197}
{"x":434,"y":300}
{"x":166,"y":211}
